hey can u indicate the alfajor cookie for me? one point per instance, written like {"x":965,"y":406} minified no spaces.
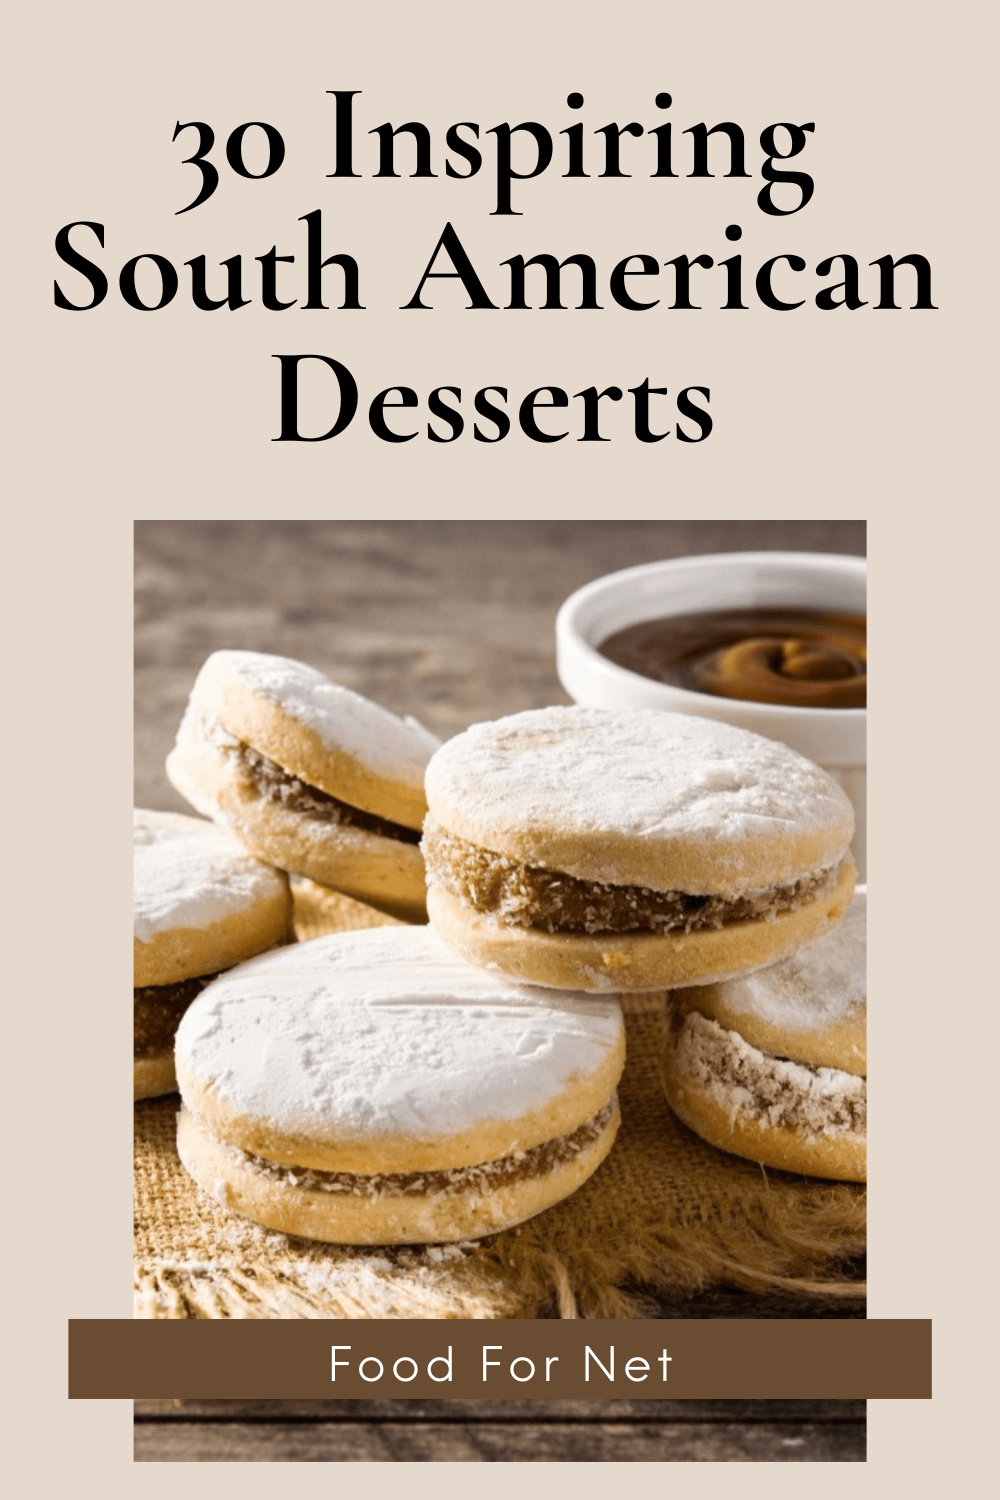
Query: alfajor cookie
{"x":774,"y":1066}
{"x":310,"y":776}
{"x":598,"y":850}
{"x":201,"y":904}
{"x":370,"y":1088}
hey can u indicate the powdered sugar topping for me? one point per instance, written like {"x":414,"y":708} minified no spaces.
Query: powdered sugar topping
{"x":187,"y":873}
{"x":397,"y":748}
{"x":383,"y":1032}
{"x":818,"y":986}
{"x":644,"y":775}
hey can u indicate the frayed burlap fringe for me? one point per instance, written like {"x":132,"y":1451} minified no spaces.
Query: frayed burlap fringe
{"x":666,"y":1214}
{"x":766,"y":1246}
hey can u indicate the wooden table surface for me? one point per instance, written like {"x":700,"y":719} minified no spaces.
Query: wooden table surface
{"x":453,"y":622}
{"x":500,"y":1431}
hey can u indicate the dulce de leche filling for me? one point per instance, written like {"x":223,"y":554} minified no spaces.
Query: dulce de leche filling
{"x":274,"y":784}
{"x":486,"y":1176}
{"x":773,"y":1090}
{"x":157,"y":1010}
{"x":521,"y":895}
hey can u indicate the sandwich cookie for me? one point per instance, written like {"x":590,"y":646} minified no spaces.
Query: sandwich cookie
{"x":774,"y":1066}
{"x":596,"y":850}
{"x":202,"y":904}
{"x":310,"y":776}
{"x":370,"y":1088}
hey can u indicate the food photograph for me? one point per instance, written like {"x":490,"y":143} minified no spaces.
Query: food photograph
{"x":500,"y":900}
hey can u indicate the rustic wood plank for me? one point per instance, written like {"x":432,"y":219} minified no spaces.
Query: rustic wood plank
{"x":731,"y":1411}
{"x":483,"y":1442}
{"x":728,"y":1303}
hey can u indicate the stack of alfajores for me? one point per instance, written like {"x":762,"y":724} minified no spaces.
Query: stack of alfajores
{"x":375,"y":1087}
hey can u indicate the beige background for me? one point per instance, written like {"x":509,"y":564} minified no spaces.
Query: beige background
{"x":117,"y":414}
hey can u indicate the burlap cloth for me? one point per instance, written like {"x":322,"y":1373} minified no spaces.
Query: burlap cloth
{"x":664,"y":1214}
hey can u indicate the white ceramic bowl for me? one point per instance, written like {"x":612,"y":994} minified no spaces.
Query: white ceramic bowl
{"x":834,"y":738}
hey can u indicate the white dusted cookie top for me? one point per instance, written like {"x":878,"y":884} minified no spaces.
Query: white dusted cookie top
{"x":641,"y":797}
{"x":189,"y":873}
{"x":200,"y":899}
{"x":325,"y":734}
{"x":813,"y":1007}
{"x":379,"y":1051}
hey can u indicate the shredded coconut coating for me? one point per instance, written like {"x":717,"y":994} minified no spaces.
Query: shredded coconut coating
{"x":274,"y":784}
{"x":485,"y":1176}
{"x":521,"y":895}
{"x":772,"y":1090}
{"x":189,"y":873}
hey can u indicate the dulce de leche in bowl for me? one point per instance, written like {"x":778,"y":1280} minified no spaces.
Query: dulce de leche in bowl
{"x":798,"y":658}
{"x":773,"y":642}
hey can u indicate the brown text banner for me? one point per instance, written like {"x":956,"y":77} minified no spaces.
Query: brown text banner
{"x":473,"y":1360}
